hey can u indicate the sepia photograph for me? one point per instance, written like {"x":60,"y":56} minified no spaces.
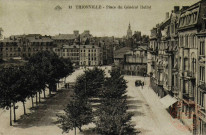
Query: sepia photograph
{"x":102,"y":67}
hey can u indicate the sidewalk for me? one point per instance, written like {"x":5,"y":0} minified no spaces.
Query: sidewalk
{"x":152,"y":118}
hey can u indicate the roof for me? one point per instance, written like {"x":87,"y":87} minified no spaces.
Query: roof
{"x":30,"y":38}
{"x":81,"y":46}
{"x":64,"y":37}
{"x":39,"y":39}
{"x":9,"y":40}
{"x":121,"y":52}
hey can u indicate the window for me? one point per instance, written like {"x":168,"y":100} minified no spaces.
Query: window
{"x":186,"y":64}
{"x":202,"y":73}
{"x":202,"y":48}
{"x":193,"y":65}
{"x":186,"y":41}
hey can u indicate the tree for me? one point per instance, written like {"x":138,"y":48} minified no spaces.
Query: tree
{"x":113,"y":118}
{"x":89,"y":84}
{"x":8,"y":83}
{"x":50,"y":68}
{"x":112,"y":115}
{"x":77,"y":114}
{"x":114,"y":86}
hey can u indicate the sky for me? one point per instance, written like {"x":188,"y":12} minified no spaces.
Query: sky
{"x":39,"y":16}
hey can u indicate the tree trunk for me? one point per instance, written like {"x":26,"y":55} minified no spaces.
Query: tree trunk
{"x":44,"y":93}
{"x":10,"y":115}
{"x":50,"y":89}
{"x":39,"y":97}
{"x":32,"y":101}
{"x":24,"y":108}
{"x":36,"y":99}
{"x":75,"y":131}
{"x":14,"y":111}
{"x":80,"y":129}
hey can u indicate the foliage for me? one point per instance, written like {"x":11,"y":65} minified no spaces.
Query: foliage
{"x":115,"y":86}
{"x":8,"y":81}
{"x":112,"y":115}
{"x":77,"y":114}
{"x":18,"y":83}
{"x":50,"y":68}
{"x":89,"y":84}
{"x":113,"y":118}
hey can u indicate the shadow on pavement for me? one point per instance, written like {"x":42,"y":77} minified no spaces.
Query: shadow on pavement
{"x":45,"y":113}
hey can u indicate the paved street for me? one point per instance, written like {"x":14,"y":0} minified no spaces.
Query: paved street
{"x":150,"y":116}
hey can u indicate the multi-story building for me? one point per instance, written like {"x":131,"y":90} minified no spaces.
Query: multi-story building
{"x":90,"y":55}
{"x":200,"y":94}
{"x":187,"y":30}
{"x":119,"y":56}
{"x":200,"y":97}
{"x":83,"y":55}
{"x":67,"y":39}
{"x":25,"y":46}
{"x":135,"y":61}
{"x":107,"y":45}
{"x":177,"y":53}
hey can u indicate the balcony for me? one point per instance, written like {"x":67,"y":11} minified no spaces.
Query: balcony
{"x":203,"y":86}
{"x":175,"y":89}
{"x":191,"y":75}
{"x":202,"y":59}
{"x":160,"y":67}
{"x":153,"y":64}
{"x":175,"y":69}
{"x":149,"y":49}
{"x":201,"y":112}
{"x":186,"y":96}
{"x":153,"y":51}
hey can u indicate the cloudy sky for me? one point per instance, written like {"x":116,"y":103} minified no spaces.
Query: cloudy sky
{"x":39,"y":16}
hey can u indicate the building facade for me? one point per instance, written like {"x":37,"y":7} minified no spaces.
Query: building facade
{"x":176,"y":64}
{"x":82,"y":55}
{"x":135,"y":62}
{"x":24,"y":46}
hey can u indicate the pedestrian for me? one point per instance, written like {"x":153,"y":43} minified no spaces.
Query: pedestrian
{"x":142,"y":83}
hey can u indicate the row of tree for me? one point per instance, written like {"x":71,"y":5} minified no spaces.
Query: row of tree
{"x":100,"y":100}
{"x":43,"y":70}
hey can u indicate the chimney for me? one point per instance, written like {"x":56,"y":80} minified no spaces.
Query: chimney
{"x":176,"y":9}
{"x":167,"y":15}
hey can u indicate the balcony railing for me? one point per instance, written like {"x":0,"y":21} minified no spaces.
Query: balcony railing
{"x":203,"y":86}
{"x":186,"y":96}
{"x":160,"y":66}
{"x":191,"y":75}
{"x":175,"y":89}
{"x":201,"y":112}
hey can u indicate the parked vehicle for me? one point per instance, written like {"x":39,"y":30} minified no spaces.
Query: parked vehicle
{"x":138,"y":83}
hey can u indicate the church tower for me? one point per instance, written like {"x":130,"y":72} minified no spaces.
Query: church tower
{"x":129,"y":32}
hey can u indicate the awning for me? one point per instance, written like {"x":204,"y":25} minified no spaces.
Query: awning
{"x":168,"y":101}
